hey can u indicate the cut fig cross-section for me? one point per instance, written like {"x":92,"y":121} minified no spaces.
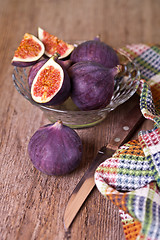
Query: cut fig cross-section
{"x":53,"y":44}
{"x":51,"y":84}
{"x":28,"y":52}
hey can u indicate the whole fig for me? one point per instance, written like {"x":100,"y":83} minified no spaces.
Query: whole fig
{"x":55,"y":149}
{"x":97,"y":51}
{"x":92,"y":84}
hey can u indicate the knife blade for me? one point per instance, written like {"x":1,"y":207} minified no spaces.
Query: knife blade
{"x":126,"y":128}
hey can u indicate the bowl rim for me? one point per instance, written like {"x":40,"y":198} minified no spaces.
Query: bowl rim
{"x":105,"y":109}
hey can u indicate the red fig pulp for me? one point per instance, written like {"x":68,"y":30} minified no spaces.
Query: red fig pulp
{"x":92,"y":85}
{"x":65,"y":64}
{"x":34,"y":69}
{"x":53,"y":44}
{"x":97,"y":51}
{"x":51,"y":84}
{"x":55,"y":149}
{"x":29,"y":51}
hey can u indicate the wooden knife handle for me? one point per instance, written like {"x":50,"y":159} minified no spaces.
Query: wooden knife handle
{"x":126,"y":127}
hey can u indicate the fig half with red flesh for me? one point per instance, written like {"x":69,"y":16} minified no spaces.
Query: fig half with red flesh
{"x":51,"y":84}
{"x":65,"y":64}
{"x":28,"y":52}
{"x":53,"y":44}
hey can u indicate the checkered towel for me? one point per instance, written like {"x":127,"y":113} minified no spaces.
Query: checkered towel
{"x":131,"y":178}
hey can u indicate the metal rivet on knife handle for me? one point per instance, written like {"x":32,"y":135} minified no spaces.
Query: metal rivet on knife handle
{"x":117,"y":139}
{"x":125,"y":128}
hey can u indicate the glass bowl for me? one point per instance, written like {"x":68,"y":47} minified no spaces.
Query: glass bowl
{"x":126,"y":84}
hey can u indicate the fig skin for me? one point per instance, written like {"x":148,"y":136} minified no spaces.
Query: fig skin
{"x":55,"y":149}
{"x":97,"y":51}
{"x":23,"y":64}
{"x":92,"y":85}
{"x":65,"y":89}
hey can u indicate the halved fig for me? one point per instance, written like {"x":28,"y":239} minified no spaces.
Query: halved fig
{"x":51,"y":84}
{"x":35,"y":68}
{"x":28,"y":52}
{"x":53,"y":44}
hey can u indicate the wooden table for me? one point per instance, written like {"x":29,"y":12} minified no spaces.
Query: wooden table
{"x":31,"y":203}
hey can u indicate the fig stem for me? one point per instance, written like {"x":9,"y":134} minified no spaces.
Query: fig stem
{"x":119,"y":68}
{"x":97,"y":38}
{"x":59,"y":121}
{"x":56,"y":55}
{"x":58,"y":124}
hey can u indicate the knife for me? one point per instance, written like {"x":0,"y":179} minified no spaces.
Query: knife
{"x":126,"y":127}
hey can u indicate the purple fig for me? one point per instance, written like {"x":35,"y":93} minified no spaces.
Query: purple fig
{"x":92,"y":84}
{"x":97,"y":51}
{"x":51,"y":85}
{"x":65,"y":63}
{"x":55,"y":149}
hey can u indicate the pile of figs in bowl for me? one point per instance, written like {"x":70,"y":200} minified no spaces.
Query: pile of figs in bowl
{"x":77,"y":83}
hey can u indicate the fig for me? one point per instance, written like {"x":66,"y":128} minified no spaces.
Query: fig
{"x":53,"y":44}
{"x":92,"y":84}
{"x":51,"y":85}
{"x":35,"y":68}
{"x":97,"y":51}
{"x":55,"y":149}
{"x":29,"y":51}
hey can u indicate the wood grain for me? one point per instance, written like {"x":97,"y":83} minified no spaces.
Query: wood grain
{"x":32,"y":204}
